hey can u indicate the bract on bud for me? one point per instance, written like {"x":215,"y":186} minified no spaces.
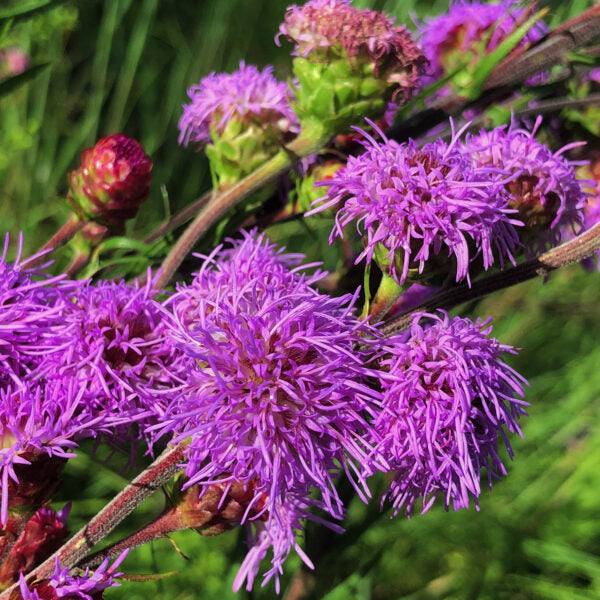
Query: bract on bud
{"x":112,"y":181}
{"x":349,"y":63}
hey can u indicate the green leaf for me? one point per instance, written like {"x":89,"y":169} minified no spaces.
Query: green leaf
{"x":492,"y":60}
{"x":28,"y":9}
{"x":12,"y":83}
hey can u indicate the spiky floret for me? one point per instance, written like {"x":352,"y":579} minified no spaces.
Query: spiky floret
{"x":415,"y":203}
{"x":87,"y":586}
{"x":447,"y":398}
{"x":118,"y":353}
{"x":275,"y":392}
{"x":544,"y":188}
{"x":277,"y":532}
{"x":247,"y":96}
{"x":78,"y":361}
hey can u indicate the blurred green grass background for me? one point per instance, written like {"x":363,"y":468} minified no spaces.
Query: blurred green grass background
{"x":125,"y":65}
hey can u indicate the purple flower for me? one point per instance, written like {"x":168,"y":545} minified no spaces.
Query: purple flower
{"x":276,"y":396}
{"x":326,"y":29}
{"x":119,"y":349}
{"x":545,"y":191}
{"x":471,"y":30}
{"x":76,"y":361}
{"x":248,"y":96}
{"x":414,"y":204}
{"x":446,"y":398}
{"x":61,"y":584}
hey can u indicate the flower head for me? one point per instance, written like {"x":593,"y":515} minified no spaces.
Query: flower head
{"x":247,"y":97}
{"x":275,"y":390}
{"x":471,"y":30}
{"x":118,"y":358}
{"x":112,"y":181}
{"x":446,"y":398}
{"x":13,"y":61}
{"x":81,"y":361}
{"x":326,"y":29}
{"x":545,"y":192}
{"x":415,"y":203}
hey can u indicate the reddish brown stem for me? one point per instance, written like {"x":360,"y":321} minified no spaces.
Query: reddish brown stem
{"x":156,"y":529}
{"x":571,"y":34}
{"x":156,"y":475}
{"x":72,"y":225}
{"x":574,"y":250}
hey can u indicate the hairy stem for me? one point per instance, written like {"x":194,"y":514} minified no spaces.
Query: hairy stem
{"x":572,"y":251}
{"x":221,"y":203}
{"x":71,"y":226}
{"x":156,"y":475}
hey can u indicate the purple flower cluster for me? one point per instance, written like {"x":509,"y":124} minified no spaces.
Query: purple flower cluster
{"x":76,"y":361}
{"x":88,"y":586}
{"x":415,"y":203}
{"x":446,"y":398}
{"x":247,"y":95}
{"x":275,"y":386}
{"x":472,"y":29}
{"x":276,"y":394}
{"x":544,"y":188}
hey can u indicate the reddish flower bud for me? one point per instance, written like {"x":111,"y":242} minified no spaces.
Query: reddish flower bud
{"x":42,"y":536}
{"x":112,"y":181}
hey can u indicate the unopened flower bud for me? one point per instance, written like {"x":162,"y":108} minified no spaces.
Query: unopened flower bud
{"x":43,"y":535}
{"x":112,"y":181}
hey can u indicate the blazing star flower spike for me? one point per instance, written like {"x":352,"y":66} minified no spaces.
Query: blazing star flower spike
{"x":243,"y":119}
{"x":276,"y":396}
{"x":544,"y":190}
{"x":418,"y":206}
{"x":447,"y":398}
{"x":468,"y":32}
{"x":349,"y":63}
{"x":112,"y":181}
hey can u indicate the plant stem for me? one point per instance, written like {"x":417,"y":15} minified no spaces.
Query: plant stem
{"x":71,"y":226}
{"x":179,"y":219}
{"x":156,"y":475}
{"x":574,"y":250}
{"x":387,"y":293}
{"x":221,"y":203}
